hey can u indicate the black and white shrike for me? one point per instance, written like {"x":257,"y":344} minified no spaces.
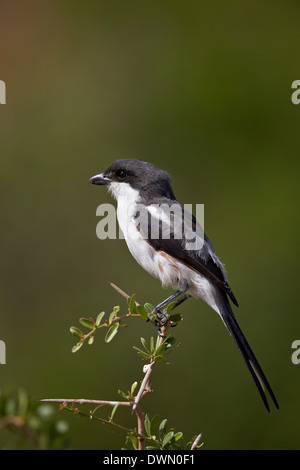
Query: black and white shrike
{"x":144,"y":193}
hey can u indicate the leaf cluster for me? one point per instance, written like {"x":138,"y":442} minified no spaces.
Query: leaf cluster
{"x":112,"y":323}
{"x":159,"y":437}
{"x":155,"y":350}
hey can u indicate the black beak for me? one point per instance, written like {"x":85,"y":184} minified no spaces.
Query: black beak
{"x":99,"y":179}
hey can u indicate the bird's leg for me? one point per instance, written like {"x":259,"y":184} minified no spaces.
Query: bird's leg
{"x":165,"y":302}
{"x":164,"y":318}
{"x":179,"y":301}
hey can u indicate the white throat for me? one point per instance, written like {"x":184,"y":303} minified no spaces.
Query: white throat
{"x":127,"y":199}
{"x":121,"y":191}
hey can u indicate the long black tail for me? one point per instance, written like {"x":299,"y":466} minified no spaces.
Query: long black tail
{"x":247,"y":353}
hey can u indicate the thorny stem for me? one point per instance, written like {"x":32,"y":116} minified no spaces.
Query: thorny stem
{"x":82,"y":401}
{"x":144,"y":390}
{"x":145,"y":387}
{"x":121,"y":292}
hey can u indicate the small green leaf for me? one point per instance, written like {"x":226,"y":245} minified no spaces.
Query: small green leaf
{"x":76,"y":332}
{"x":113,"y":314}
{"x":152,"y":317}
{"x":159,"y":358}
{"x":178,"y":436}
{"x":133,"y":387}
{"x":161,"y":349}
{"x":111,"y":317}
{"x":91,"y":340}
{"x":144,"y":355}
{"x":99,"y":318}
{"x":145,"y":344}
{"x":114,"y":410}
{"x":170,"y":340}
{"x":167,"y":438}
{"x":162,"y":426}
{"x":154,"y":424}
{"x":87,"y":323}
{"x":131,"y":442}
{"x":147,"y":424}
{"x":141,"y":311}
{"x":177,"y":317}
{"x":151,"y":345}
{"x":167,"y":343}
{"x":169,"y":308}
{"x":132,"y":303}
{"x":77,"y":347}
{"x":141,"y":352}
{"x":111,"y":332}
{"x":123,"y":395}
{"x":148,"y":307}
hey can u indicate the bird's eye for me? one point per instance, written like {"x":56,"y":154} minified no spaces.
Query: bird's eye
{"x":121,"y":174}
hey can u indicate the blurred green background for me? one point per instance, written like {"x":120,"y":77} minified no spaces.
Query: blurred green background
{"x":203,"y":90}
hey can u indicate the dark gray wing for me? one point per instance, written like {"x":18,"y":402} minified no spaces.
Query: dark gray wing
{"x":171,"y":216}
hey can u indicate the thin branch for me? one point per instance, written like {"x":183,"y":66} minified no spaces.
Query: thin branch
{"x":83,"y":401}
{"x":145,"y":387}
{"x":141,"y":427}
{"x":145,"y":384}
{"x":112,"y":423}
{"x":121,"y":292}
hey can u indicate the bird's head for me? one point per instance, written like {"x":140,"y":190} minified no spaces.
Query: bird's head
{"x":149,"y":180}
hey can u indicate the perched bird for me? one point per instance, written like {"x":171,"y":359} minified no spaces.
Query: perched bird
{"x":176,"y":252}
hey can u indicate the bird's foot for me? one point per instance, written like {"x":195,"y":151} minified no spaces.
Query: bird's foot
{"x":159,"y":319}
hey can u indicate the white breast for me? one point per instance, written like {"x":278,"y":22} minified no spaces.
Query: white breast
{"x":128,"y":199}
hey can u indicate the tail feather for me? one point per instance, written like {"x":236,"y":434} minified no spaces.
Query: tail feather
{"x":247,"y":353}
